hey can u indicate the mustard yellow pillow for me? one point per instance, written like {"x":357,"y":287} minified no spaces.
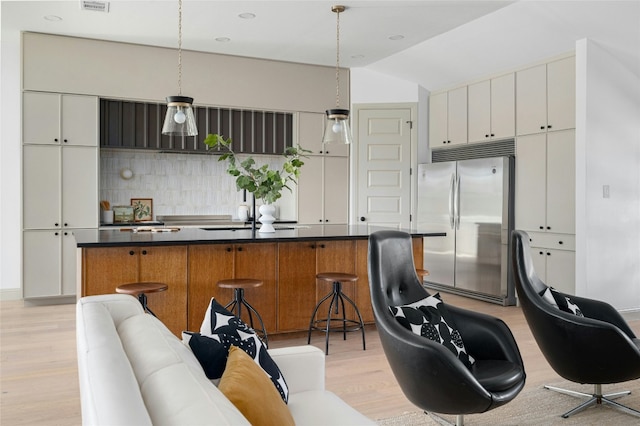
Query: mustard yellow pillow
{"x":249,"y":388}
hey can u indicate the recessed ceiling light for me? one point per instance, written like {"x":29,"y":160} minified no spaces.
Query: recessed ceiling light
{"x":396,"y":37}
{"x":247,"y":15}
{"x":223,"y":39}
{"x":53,"y":18}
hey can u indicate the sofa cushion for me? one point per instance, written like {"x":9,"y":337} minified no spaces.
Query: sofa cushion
{"x":430,"y":318}
{"x":223,"y":326}
{"x":320,"y":408}
{"x":160,"y":362}
{"x":247,"y":386}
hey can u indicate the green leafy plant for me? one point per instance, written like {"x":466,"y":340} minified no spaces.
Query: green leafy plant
{"x":264,"y":183}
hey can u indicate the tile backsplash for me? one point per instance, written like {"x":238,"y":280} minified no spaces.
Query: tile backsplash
{"x":179,"y":184}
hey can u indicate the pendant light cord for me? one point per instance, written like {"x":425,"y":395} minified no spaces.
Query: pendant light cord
{"x":337,"y":59}
{"x":180,"y":47}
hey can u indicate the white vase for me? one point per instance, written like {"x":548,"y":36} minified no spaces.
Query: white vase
{"x":266,"y":217}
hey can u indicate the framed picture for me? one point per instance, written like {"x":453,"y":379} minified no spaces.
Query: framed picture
{"x":142,"y":209}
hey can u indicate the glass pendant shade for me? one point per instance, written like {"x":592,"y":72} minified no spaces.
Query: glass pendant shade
{"x":179,"y":120}
{"x":337,"y":127}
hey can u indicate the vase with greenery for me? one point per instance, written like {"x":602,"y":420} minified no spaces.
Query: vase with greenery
{"x":263,"y":182}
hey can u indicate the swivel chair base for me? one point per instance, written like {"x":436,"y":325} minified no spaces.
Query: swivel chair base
{"x":443,"y":422}
{"x":597,"y":398}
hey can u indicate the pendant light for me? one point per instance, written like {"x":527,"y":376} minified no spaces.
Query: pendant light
{"x":337,"y":127}
{"x":179,"y":120}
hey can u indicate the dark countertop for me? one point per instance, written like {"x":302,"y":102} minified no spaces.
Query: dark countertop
{"x":116,"y":237}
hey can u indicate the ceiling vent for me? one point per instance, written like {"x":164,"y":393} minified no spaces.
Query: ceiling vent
{"x":96,"y":6}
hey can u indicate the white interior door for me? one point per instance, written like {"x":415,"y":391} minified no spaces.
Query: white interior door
{"x":384,"y":162}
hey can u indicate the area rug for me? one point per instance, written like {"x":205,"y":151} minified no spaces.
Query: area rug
{"x":539,"y":406}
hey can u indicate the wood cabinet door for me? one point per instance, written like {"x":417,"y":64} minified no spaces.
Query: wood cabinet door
{"x":363,"y":292}
{"x":336,"y":256}
{"x":207,"y":265}
{"x":296,"y":284}
{"x":167,"y":265}
{"x":105,"y":268}
{"x":258,"y":260}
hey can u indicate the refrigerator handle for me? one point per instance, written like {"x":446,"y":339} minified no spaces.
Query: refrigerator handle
{"x":452,"y":207}
{"x":457,"y":203}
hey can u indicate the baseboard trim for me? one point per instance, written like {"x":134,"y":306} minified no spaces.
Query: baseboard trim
{"x":11,"y":294}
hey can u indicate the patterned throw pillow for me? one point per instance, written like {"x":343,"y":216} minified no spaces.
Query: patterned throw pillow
{"x":560,"y":301}
{"x":209,"y":351}
{"x":227,"y":329}
{"x":430,"y":318}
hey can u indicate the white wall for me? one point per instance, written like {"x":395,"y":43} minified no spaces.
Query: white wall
{"x":607,"y":153}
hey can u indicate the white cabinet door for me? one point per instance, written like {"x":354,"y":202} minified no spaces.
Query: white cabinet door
{"x":531,"y":100}
{"x":41,"y":263}
{"x":438,"y":120}
{"x":55,"y":119}
{"x":80,"y":120}
{"x":311,"y":191}
{"x":561,"y":94}
{"x":531,"y":182}
{"x":41,"y":118}
{"x":41,"y":187}
{"x":79,"y":187}
{"x":479,"y":102}
{"x":561,"y":270}
{"x":503,"y":107}
{"x":561,"y":175}
{"x":336,"y":190}
{"x":457,"y":116}
{"x":310,"y":128}
{"x":69,"y":264}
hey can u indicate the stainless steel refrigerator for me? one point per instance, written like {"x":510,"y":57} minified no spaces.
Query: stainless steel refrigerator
{"x":472,"y":201}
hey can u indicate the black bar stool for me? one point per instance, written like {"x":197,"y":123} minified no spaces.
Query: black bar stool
{"x":140,"y":289}
{"x":239,"y":285}
{"x":336,"y":305}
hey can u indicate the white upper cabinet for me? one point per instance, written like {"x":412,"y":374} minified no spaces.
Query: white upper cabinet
{"x":545,"y":97}
{"x":57,"y":119}
{"x":491,"y":105}
{"x":448,"y":118}
{"x":310,"y":132}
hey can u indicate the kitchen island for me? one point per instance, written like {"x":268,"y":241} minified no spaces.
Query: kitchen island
{"x":192,"y":260}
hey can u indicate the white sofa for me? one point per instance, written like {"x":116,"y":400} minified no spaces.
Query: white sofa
{"x":134,"y":371}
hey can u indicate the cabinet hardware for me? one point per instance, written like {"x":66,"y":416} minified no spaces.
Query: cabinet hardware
{"x":541,"y":252}
{"x":55,"y":233}
{"x":66,"y":224}
{"x":228,"y":249}
{"x":548,"y":254}
{"x":321,"y":245}
{"x":542,"y":227}
{"x":541,"y":127}
{"x":131,"y":252}
{"x":492,"y":135}
{"x":56,"y":224}
{"x":362,"y":219}
{"x":548,"y":227}
{"x":55,"y":140}
{"x":313,"y":246}
{"x":144,"y":252}
{"x":66,"y":233}
{"x":239,"y":248}
{"x":559,"y":242}
{"x":486,"y":136}
{"x":549,"y":126}
{"x":66,"y":140}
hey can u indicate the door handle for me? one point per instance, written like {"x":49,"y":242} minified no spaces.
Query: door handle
{"x":362,"y":219}
{"x":452,"y":186}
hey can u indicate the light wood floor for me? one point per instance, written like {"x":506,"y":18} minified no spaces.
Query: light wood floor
{"x":39,"y":381}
